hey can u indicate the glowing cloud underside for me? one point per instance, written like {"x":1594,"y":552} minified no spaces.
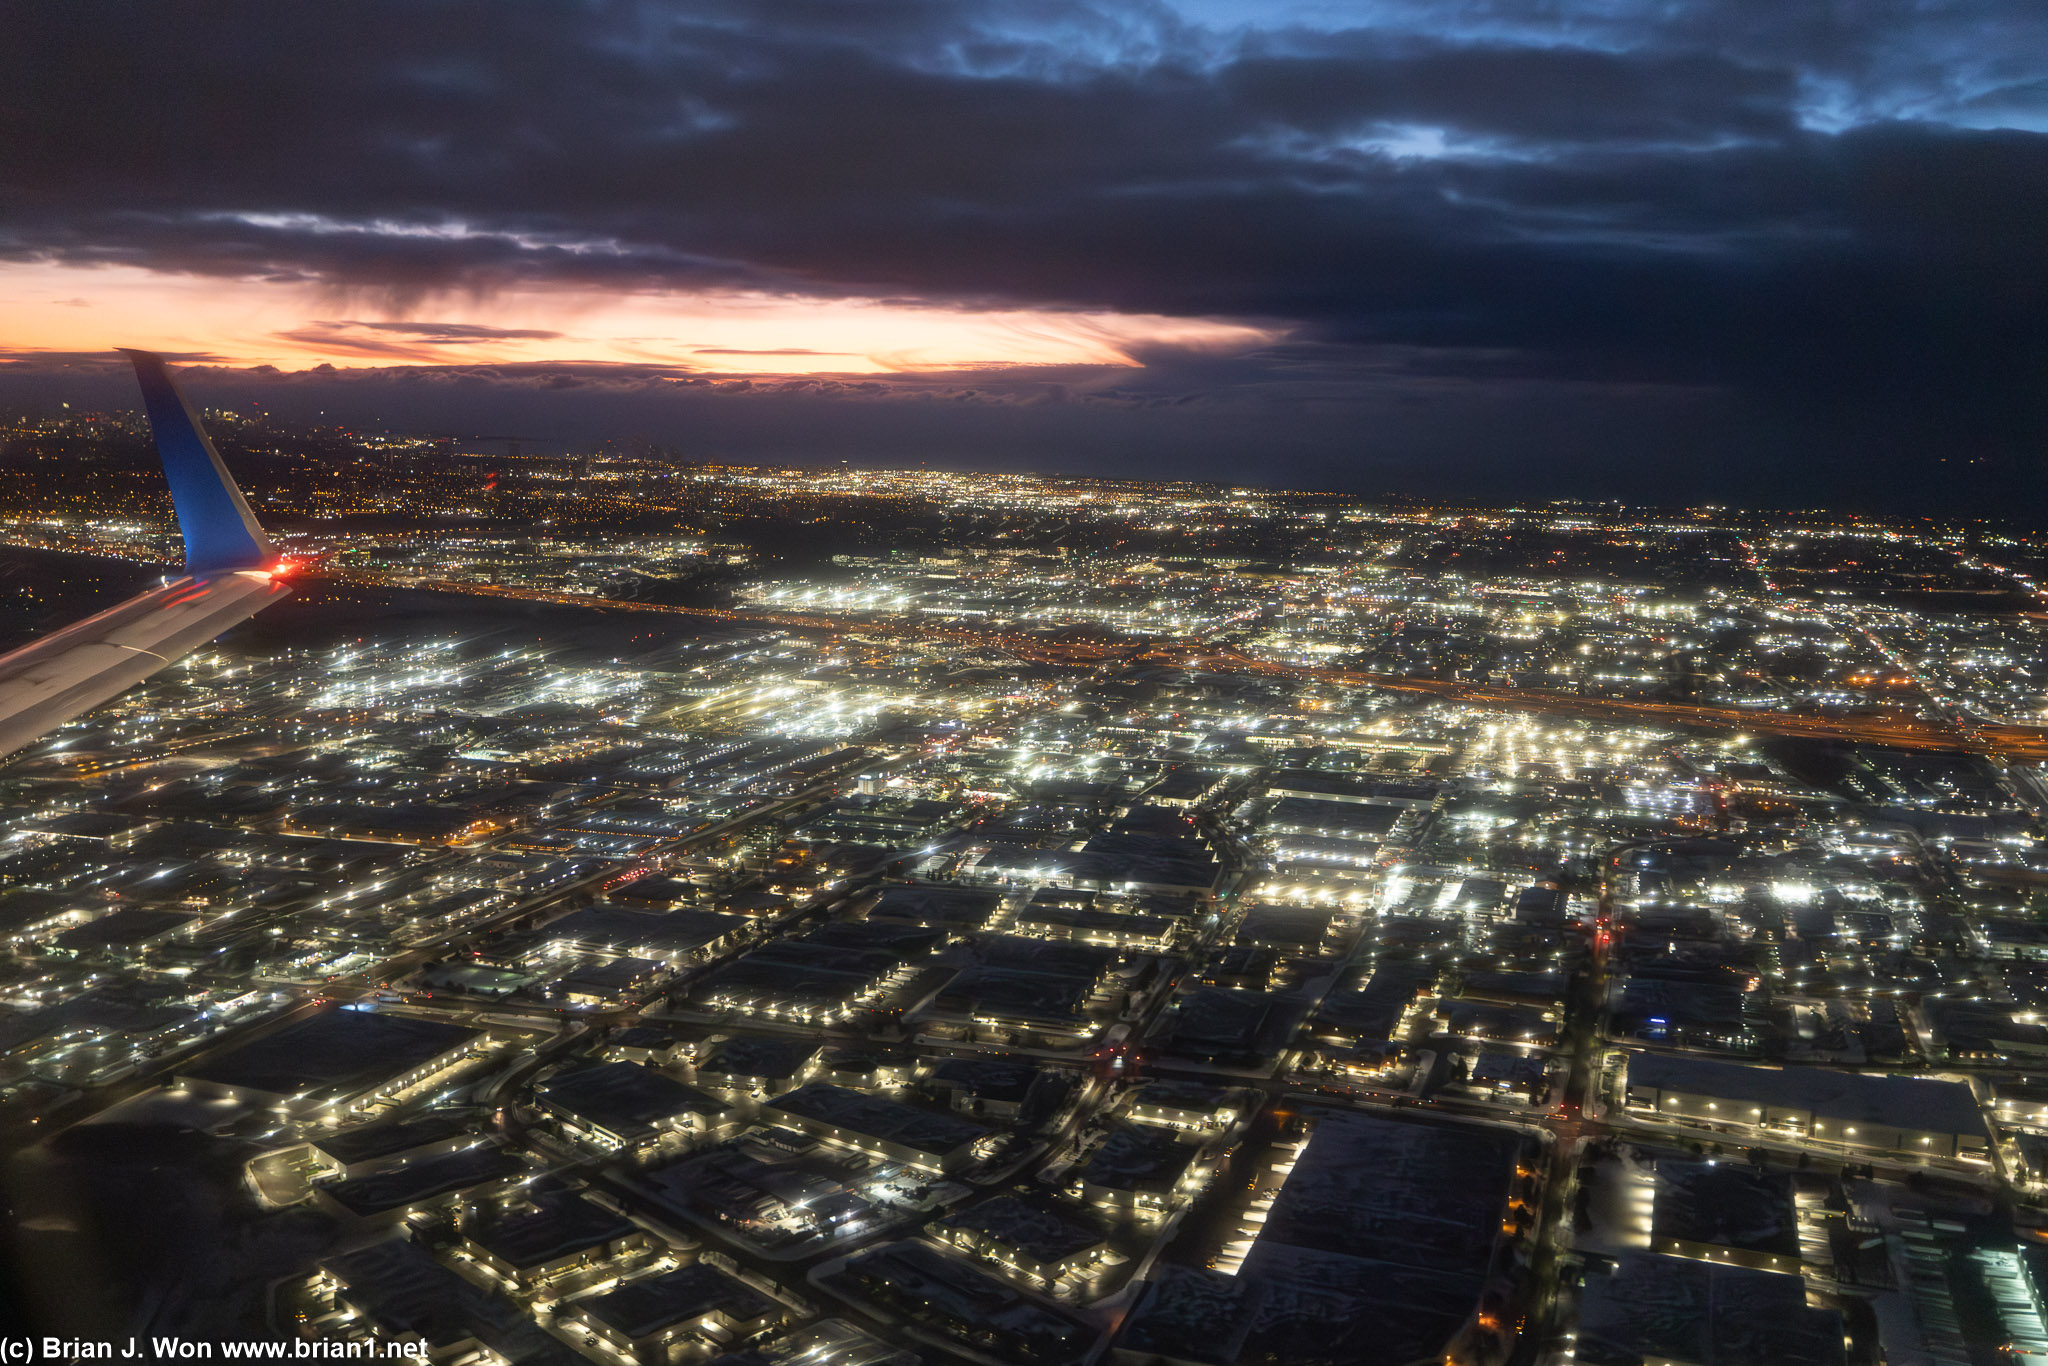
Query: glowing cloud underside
{"x":247,"y":322}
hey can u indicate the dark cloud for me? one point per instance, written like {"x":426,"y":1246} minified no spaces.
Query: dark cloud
{"x":451,"y":334}
{"x":1801,"y":228}
{"x":404,"y":340}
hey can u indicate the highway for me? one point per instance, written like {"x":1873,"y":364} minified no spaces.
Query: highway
{"x":1900,"y":732}
{"x":2003,"y":743}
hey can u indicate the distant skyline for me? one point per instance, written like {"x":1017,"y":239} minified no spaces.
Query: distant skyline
{"x":1729,"y":251}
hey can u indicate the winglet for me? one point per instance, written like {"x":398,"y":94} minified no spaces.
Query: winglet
{"x":220,"y":531}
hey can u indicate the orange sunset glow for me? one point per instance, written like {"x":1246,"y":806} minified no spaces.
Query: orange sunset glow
{"x":59,"y":308}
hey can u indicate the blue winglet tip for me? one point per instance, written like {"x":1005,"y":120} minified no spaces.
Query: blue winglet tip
{"x":219,"y":529}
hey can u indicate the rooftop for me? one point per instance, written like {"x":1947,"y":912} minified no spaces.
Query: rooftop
{"x":953,"y":907}
{"x":1674,"y":1308}
{"x":337,"y":1052}
{"x":625,"y":1098}
{"x":398,"y":1284}
{"x":1139,"y":1156}
{"x":1042,"y":1231}
{"x":1727,"y":1204}
{"x":874,"y":1117}
{"x":748,"y":1055}
{"x":1914,"y":1103}
{"x":367,"y":1142}
{"x":546,"y":1229}
{"x":396,"y":1187}
{"x":641,"y":1308}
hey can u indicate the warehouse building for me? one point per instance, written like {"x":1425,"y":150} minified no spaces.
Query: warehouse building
{"x":1859,"y":1110}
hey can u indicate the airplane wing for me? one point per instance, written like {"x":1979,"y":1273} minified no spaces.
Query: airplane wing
{"x":231,"y":573}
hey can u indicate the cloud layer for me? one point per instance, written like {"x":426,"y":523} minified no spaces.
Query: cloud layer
{"x":1738,"y":232}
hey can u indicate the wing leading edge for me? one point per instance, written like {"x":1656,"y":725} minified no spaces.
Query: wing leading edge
{"x":231,"y":573}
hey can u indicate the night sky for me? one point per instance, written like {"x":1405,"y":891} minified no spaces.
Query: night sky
{"x":1761,"y":251}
